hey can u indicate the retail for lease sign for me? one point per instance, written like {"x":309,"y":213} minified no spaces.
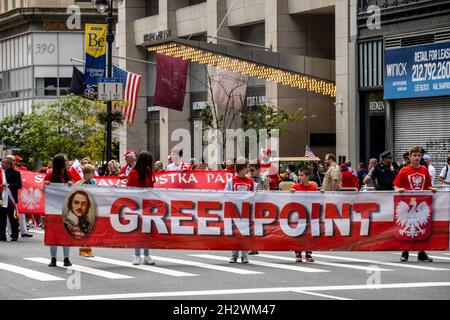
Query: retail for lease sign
{"x":419,"y":71}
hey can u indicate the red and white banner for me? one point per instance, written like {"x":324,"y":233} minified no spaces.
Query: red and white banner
{"x":32,"y":198}
{"x":266,"y":221}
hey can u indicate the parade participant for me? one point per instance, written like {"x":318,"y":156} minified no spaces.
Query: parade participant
{"x":333,"y":178}
{"x":444,"y":177}
{"x":18,"y":164}
{"x":88,"y":179}
{"x":414,"y":177}
{"x":3,"y":204}
{"x":229,"y":166}
{"x":113,"y":169}
{"x":240,"y":182}
{"x":159,"y":166}
{"x":130,"y":158}
{"x":315,"y":176}
{"x":291,"y":176}
{"x":141,"y":176}
{"x":261,"y":184}
{"x":177,"y":161}
{"x":59,"y":174}
{"x":193,"y":164}
{"x":13,"y":181}
{"x":385,"y":172}
{"x":304,"y":185}
{"x":269,"y":170}
{"x":406,"y":160}
{"x":431,"y":169}
{"x":349,"y":180}
{"x":367,"y":180}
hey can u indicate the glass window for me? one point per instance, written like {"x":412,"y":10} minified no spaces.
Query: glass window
{"x":64,"y":86}
{"x":46,"y":86}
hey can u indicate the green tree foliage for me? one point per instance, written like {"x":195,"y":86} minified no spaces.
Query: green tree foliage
{"x":68,"y":125}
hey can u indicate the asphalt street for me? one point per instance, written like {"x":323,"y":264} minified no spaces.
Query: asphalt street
{"x":207,"y":275}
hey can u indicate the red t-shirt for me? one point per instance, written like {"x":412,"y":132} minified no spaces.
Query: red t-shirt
{"x":411,"y":178}
{"x":240,"y":184}
{"x":49,"y":177}
{"x":301,"y":187}
{"x":133,"y":180}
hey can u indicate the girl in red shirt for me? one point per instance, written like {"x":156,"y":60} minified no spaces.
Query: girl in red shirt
{"x":59,"y":174}
{"x":141,"y":176}
{"x":305,"y":185}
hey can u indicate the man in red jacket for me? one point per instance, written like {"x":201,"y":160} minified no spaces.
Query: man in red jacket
{"x":349,"y":180}
{"x":414,"y":178}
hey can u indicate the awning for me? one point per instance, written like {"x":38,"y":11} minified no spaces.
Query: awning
{"x":286,"y":69}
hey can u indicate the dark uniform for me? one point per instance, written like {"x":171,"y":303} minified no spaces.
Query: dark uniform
{"x":383,"y":175}
{"x":14,"y":180}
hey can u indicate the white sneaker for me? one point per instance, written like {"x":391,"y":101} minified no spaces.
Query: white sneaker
{"x":149,"y":261}
{"x":136,"y":260}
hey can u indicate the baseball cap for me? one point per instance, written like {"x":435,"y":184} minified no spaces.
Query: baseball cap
{"x":19,"y":158}
{"x":427,"y":157}
{"x":131,"y":154}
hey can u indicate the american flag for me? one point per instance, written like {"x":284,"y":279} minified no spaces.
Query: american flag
{"x":309,"y":153}
{"x":132,"y":83}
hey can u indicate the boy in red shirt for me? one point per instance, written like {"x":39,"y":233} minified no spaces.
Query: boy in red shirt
{"x":240,"y":182}
{"x":305,"y":185}
{"x":414,"y":178}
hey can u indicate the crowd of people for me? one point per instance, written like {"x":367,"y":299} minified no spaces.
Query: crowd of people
{"x":260,"y":174}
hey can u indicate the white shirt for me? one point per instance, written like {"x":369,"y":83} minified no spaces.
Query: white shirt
{"x":446,"y":177}
{"x":174,"y":167}
{"x":432,"y":172}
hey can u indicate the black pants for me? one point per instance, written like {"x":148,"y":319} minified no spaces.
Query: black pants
{"x":8,"y":212}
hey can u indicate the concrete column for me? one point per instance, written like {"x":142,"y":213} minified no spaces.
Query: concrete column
{"x":347,"y":113}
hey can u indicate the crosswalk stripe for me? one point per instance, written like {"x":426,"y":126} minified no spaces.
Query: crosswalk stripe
{"x":206,"y":265}
{"x":321,"y":295}
{"x":264,"y":264}
{"x":36,"y":275}
{"x":434,"y":257}
{"x":400,"y":265}
{"x":36,"y":231}
{"x":128,"y":264}
{"x":88,"y":270}
{"x":331,"y":264}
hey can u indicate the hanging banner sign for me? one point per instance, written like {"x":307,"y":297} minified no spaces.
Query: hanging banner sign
{"x":267,"y":221}
{"x":419,"y":71}
{"x":95,"y":53}
{"x":32,"y":197}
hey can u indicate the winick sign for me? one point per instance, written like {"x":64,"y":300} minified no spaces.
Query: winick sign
{"x":419,"y":71}
{"x":266,"y":221}
{"x":95,"y":53}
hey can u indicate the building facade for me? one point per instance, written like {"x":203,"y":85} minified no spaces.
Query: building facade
{"x":313,"y":29}
{"x":404,"y":78}
{"x":38,"y":49}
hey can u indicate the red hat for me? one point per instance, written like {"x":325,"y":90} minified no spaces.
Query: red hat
{"x":131,"y":154}
{"x":19,"y":158}
{"x":343,"y":166}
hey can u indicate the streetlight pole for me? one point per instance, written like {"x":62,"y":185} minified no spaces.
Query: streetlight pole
{"x":102,"y":6}
{"x":109,"y":40}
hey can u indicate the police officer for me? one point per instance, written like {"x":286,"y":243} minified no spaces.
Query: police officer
{"x":385,"y":172}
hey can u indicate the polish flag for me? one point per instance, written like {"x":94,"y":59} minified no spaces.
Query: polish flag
{"x":76,"y":173}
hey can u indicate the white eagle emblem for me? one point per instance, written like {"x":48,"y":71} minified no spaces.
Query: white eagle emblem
{"x":412,"y":219}
{"x":31,"y":198}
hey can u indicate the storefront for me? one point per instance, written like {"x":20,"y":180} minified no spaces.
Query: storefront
{"x":417,"y":85}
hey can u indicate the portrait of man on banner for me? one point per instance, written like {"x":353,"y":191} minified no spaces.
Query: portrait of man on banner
{"x":78,"y":214}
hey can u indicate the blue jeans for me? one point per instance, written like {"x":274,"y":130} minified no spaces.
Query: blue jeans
{"x":137,"y":252}
{"x":235,"y":254}
{"x":54,"y":249}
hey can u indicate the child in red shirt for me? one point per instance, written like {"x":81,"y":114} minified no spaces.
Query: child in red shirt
{"x":414,"y":178}
{"x":306,"y":186}
{"x":240,"y":182}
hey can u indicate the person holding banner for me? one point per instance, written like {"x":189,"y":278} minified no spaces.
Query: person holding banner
{"x":305,"y":186}
{"x":177,"y":161}
{"x":130,"y":158}
{"x":141,"y":176}
{"x":13,"y":183}
{"x":414,"y":177}
{"x":240,"y":182}
{"x":59,"y":174}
